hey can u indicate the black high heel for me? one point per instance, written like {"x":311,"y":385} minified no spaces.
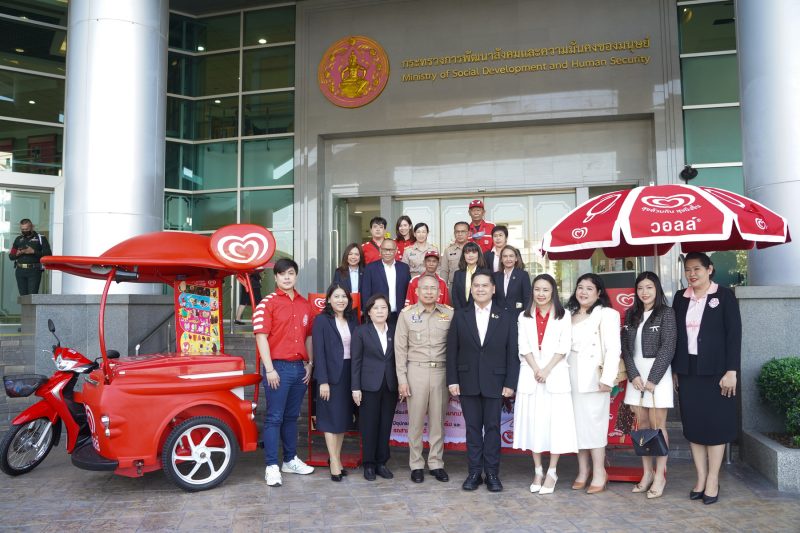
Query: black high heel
{"x":708,"y":500}
{"x":336,"y":477}
{"x":696,"y":495}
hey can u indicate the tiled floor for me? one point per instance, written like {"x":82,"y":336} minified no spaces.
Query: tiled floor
{"x":58,"y":497}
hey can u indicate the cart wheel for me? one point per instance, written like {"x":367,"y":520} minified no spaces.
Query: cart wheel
{"x":24,"y":446}
{"x":199,"y":453}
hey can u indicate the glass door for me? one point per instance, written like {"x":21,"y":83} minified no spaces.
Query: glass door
{"x":350,"y":223}
{"x":14,"y":206}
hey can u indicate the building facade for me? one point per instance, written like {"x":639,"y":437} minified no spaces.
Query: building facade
{"x":531,"y":106}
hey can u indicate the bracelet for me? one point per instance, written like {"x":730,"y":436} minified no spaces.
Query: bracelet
{"x":270,"y":371}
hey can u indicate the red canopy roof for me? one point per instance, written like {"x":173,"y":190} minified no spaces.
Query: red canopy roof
{"x":159,"y":257}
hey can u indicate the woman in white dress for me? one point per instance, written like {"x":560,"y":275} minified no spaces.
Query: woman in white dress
{"x":648,"y":346}
{"x":593,"y":366}
{"x":543,"y":415}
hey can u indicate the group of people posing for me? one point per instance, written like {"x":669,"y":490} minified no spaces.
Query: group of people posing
{"x":503,"y":337}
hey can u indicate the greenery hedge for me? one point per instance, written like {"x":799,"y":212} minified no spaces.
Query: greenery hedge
{"x":779,"y":386}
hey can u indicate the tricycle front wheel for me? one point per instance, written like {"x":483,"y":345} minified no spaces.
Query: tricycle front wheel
{"x":25,"y":446}
{"x":199,"y":453}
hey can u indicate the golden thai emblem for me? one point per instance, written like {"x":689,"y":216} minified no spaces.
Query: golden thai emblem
{"x":353,"y":71}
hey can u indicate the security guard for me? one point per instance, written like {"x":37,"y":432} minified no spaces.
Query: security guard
{"x":452,"y":254}
{"x":420,"y":347}
{"x":27,"y":251}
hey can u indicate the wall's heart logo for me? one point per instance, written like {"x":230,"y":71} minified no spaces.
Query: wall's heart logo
{"x":579,"y":233}
{"x":762,"y":225}
{"x":625,"y":300}
{"x":319,"y":303}
{"x":243,"y":246}
{"x":668,"y":202}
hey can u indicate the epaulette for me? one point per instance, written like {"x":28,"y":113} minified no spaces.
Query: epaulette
{"x":446,"y":306}
{"x":408,"y":307}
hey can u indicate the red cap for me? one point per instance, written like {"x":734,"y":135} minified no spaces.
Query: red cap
{"x":476,"y":203}
{"x":432,"y":253}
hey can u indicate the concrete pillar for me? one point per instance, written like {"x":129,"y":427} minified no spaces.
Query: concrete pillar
{"x":115,"y":127}
{"x":769,"y":81}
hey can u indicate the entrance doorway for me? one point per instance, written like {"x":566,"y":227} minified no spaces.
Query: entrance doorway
{"x":14,"y":206}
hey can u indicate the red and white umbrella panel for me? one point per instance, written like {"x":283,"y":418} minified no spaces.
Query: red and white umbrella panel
{"x":649,"y":220}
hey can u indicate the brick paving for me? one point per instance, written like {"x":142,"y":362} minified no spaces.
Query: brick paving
{"x":57,"y":497}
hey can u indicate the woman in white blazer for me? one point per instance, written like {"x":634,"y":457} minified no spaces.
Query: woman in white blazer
{"x":593,"y":366}
{"x":543,"y":414}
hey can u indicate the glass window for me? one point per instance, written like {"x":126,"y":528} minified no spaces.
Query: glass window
{"x":284,"y":242}
{"x":32,"y":97}
{"x":268,"y":68}
{"x":32,"y":47}
{"x":201,"y":166}
{"x":268,"y":113}
{"x":212,"y":211}
{"x":730,"y":268}
{"x":707,"y":27}
{"x":205,"y":34}
{"x":272,"y":208}
{"x":203,"y":75}
{"x":38,"y":10}
{"x":728,"y":178}
{"x":710,"y":80}
{"x":30,"y":148}
{"x":268,"y":162}
{"x":177,"y":211}
{"x":269,"y":26}
{"x":216,"y":118}
{"x":713,"y":135}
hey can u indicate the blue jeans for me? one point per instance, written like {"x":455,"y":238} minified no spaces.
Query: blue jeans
{"x":283,"y":410}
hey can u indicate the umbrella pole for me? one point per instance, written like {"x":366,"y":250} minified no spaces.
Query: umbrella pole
{"x":656,"y":262}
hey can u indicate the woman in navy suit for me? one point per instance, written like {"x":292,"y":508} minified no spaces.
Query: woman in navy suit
{"x":707,"y":360}
{"x":331,"y":337}
{"x":350,"y":271}
{"x":512,"y":284}
{"x":471,"y":260}
{"x":374,"y":384}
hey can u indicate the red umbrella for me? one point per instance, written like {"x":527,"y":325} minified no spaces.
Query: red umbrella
{"x":649,"y":220}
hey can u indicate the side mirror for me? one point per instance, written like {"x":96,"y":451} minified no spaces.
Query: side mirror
{"x":112,"y":354}
{"x":51,"y":326}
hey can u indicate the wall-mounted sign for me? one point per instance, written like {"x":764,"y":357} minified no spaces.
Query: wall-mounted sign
{"x":353,"y":71}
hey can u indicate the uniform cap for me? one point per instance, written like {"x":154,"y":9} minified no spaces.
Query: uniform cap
{"x":432,"y":253}
{"x":476,"y":203}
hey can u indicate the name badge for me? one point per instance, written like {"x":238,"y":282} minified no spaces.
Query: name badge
{"x":416,"y":319}
{"x":518,"y":305}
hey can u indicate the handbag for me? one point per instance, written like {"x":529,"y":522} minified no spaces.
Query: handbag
{"x":649,"y":442}
{"x":622,"y":374}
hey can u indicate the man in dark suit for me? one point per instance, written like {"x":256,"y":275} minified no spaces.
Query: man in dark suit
{"x":482,"y":369}
{"x":389,"y":277}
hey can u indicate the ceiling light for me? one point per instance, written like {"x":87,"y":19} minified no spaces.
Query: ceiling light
{"x":217,"y":101}
{"x":262,"y":41}
{"x":201,"y":48}
{"x":31,"y":101}
{"x":358,"y":212}
{"x":19,"y":50}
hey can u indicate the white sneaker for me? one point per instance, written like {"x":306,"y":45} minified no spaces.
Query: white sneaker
{"x":272,"y":475}
{"x":296,"y":466}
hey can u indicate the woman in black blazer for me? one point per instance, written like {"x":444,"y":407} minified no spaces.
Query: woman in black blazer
{"x":350,"y":269}
{"x":515,"y":295}
{"x":707,"y":359}
{"x":471,"y":260}
{"x":374,"y":384}
{"x":331,"y":337}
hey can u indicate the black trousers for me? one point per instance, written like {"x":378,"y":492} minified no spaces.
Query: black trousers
{"x":482,"y":418}
{"x":376,"y":415}
{"x":28,"y":280}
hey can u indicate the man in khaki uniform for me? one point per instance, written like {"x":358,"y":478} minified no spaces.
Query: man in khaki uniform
{"x":452,"y":254}
{"x":420,"y":347}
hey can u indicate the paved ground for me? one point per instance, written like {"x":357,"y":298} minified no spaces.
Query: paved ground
{"x":58,"y":497}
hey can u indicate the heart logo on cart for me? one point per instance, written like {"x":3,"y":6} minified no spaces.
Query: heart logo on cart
{"x":668,"y":202}
{"x":243,"y":246}
{"x":579,"y":233}
{"x":762,"y":225}
{"x":625,"y":300}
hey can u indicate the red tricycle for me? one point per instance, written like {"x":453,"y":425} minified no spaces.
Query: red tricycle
{"x":184,"y":412}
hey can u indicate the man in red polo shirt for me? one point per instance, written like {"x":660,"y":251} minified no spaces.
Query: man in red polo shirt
{"x":282,"y":325}
{"x":372,"y":248}
{"x":480,"y":231}
{"x":431,"y":265}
